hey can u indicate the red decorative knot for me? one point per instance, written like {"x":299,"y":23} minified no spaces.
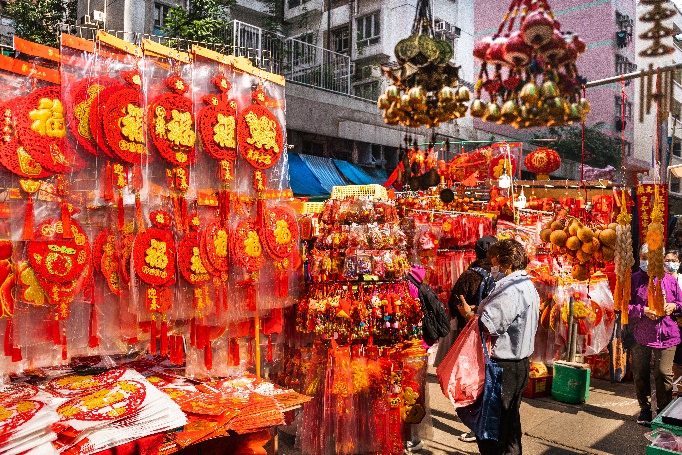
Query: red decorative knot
{"x":41,"y":127}
{"x":154,"y":257}
{"x":246,"y":246}
{"x":133,"y":78}
{"x":543,"y":161}
{"x":279,"y":233}
{"x":160,"y":218}
{"x":82,"y":96}
{"x":13,"y":155}
{"x":122,"y":123}
{"x":500,"y":163}
{"x":260,"y":137}
{"x":176,"y":84}
{"x":221,"y":83}
{"x":217,"y":124}
{"x":190,"y":260}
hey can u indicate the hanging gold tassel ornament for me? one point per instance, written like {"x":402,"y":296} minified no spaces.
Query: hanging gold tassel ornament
{"x":624,"y":260}
{"x":654,"y":239}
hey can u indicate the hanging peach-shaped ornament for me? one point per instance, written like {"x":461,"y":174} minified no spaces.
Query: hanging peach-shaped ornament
{"x":538,"y":28}
{"x":481,"y":48}
{"x":574,"y":114}
{"x":555,"y":48}
{"x":495,"y":53}
{"x":516,"y":51}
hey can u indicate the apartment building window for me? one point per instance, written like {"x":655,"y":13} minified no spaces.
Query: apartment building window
{"x":369,"y":29}
{"x":624,"y":65}
{"x":677,"y":149}
{"x":624,"y":27}
{"x":295,"y":3}
{"x":160,"y":13}
{"x":674,"y":185}
{"x":341,"y":39}
{"x":369,"y":91}
{"x":303,"y":49}
{"x":628,"y":148}
{"x":619,"y":107}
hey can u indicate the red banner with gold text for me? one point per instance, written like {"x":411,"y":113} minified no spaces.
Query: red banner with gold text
{"x":645,"y":204}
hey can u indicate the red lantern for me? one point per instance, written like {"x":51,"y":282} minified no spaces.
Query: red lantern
{"x":542,"y":162}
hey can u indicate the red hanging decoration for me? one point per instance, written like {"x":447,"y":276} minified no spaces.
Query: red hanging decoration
{"x":84,"y":93}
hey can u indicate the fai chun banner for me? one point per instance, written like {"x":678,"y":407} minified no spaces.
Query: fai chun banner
{"x":645,"y":204}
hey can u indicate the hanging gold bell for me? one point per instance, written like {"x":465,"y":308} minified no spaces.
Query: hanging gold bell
{"x":478,"y":108}
{"x":529,"y":93}
{"x":492,"y":112}
{"x":382,"y":102}
{"x":392,"y":93}
{"x":585,"y":105}
{"x":463,"y":95}
{"x":508,"y":113}
{"x":549,"y":90}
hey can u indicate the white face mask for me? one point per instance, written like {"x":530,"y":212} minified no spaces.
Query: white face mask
{"x":671,"y":267}
{"x":644,"y":265}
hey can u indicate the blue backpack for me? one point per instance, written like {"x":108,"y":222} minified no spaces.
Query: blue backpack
{"x":487,"y":283}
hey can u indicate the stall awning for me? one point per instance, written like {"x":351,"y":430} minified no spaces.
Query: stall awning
{"x":303,"y":181}
{"x":325,"y":171}
{"x":359,"y":175}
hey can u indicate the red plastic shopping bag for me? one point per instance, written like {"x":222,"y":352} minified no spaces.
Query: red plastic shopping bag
{"x":461,"y":374}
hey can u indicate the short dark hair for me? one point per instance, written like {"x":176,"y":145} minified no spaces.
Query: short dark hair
{"x":510,"y":254}
{"x":674,"y":253}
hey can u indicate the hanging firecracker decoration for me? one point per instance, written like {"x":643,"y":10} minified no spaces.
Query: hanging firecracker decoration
{"x":624,"y":261}
{"x":542,"y":161}
{"x":656,"y":243}
{"x":534,"y":80}
{"x":425,"y":90}
{"x":154,"y":262}
{"x":656,"y":16}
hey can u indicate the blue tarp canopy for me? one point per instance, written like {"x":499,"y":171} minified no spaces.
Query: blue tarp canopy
{"x":325,"y":171}
{"x":359,"y":175}
{"x":303,"y":181}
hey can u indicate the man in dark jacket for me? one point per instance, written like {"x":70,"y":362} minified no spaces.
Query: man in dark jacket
{"x":468,"y":285}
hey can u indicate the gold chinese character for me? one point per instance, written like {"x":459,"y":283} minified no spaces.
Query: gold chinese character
{"x":82,"y":111}
{"x":263,"y":132}
{"x":131,"y":123}
{"x":224,"y":131}
{"x":180,"y":130}
{"x":156,"y":255}
{"x":48,"y":119}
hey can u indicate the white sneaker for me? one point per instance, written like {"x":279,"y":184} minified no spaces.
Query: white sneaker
{"x":413,"y":446}
{"x":468,"y":437}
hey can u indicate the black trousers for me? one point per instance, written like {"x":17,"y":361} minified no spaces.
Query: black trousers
{"x":514,"y":381}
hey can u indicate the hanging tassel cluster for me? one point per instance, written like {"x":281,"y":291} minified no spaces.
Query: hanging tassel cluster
{"x":66,"y":220}
{"x":28,"y":220}
{"x":108,"y":183}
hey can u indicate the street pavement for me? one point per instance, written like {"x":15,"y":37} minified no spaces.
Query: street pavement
{"x":605,"y":424}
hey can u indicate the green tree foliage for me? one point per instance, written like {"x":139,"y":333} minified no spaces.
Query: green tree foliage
{"x":38,"y":20}
{"x":600,"y":149}
{"x":205,"y":20}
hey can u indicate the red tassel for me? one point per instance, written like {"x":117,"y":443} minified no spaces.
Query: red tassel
{"x":152,"y":338}
{"x":64,"y":353}
{"x":251,"y":297}
{"x":108,"y":183}
{"x":208,"y":357}
{"x":201,"y":336}
{"x":137,"y":178}
{"x":16,"y":354}
{"x":56,"y":332}
{"x":218,"y":300}
{"x":179,"y":349}
{"x":121,"y":211}
{"x":8,"y":338}
{"x":164,"y":338}
{"x":193,"y":332}
{"x":283,"y":283}
{"x":269,"y":356}
{"x":139,"y":219}
{"x":234,"y":352}
{"x":94,"y":340}
{"x":66,"y":221}
{"x":28,"y":220}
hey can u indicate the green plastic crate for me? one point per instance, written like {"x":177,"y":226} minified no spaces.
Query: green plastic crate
{"x":570,"y":384}
{"x":658,"y":423}
{"x":651,"y":450}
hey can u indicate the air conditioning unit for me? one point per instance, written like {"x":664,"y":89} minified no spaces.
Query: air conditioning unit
{"x":98,"y":16}
{"x":85,"y":20}
{"x":456,"y":32}
{"x":442,"y":26}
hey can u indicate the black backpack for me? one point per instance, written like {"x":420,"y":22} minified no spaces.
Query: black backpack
{"x":436,"y":322}
{"x":487,"y":283}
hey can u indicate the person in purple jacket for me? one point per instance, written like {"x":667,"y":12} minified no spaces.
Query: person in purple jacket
{"x":657,"y":335}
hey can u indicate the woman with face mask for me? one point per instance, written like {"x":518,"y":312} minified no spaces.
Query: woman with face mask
{"x":655,"y":335}
{"x":671,"y":264}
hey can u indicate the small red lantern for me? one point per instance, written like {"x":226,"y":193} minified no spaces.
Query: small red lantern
{"x":542,"y":162}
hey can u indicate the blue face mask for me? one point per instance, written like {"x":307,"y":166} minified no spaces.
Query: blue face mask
{"x":644,"y":265}
{"x":671,"y":267}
